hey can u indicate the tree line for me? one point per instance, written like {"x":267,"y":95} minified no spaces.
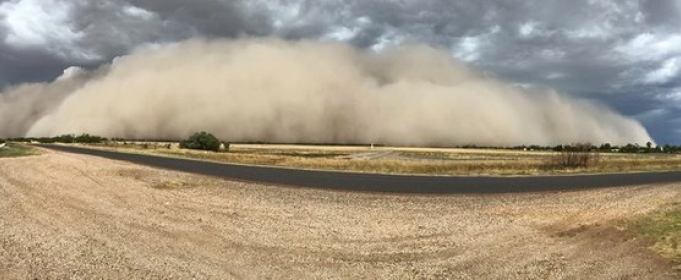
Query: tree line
{"x":207,"y":141}
{"x":197,"y":141}
{"x":603,"y":148}
{"x":606,"y":148}
{"x":84,"y":138}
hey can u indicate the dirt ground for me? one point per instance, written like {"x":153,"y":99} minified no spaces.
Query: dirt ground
{"x":81,"y":217}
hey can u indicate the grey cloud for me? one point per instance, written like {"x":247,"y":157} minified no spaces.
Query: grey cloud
{"x":208,"y":17}
{"x":662,"y":12}
{"x":110,"y":28}
{"x":28,"y":65}
{"x":114,"y":27}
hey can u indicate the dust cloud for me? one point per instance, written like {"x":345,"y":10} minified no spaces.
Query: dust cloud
{"x":272,"y":90}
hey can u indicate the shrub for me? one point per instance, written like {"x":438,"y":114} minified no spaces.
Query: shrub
{"x":201,"y":141}
{"x":578,"y":155}
{"x":89,"y":139}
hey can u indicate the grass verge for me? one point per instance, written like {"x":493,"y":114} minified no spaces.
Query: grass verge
{"x":663,"y":229}
{"x":16,"y":150}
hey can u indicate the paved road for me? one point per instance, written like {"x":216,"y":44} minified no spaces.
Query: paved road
{"x":383,"y":183}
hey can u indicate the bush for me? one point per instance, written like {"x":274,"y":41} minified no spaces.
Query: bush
{"x":201,"y":141}
{"x":578,"y":155}
{"x":89,"y":139}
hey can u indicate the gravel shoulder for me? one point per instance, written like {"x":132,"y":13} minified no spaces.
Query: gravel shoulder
{"x":75,"y":216}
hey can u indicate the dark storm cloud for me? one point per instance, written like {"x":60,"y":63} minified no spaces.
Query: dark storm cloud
{"x":28,"y":65}
{"x":623,"y":53}
{"x":114,"y":27}
{"x":662,"y":12}
{"x":214,"y":18}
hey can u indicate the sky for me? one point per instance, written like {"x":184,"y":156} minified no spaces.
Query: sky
{"x":621,"y":53}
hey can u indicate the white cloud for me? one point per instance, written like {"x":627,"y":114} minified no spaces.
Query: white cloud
{"x":668,"y":70}
{"x":37,"y":23}
{"x":71,"y":72}
{"x":341,"y":34}
{"x":468,"y":49}
{"x":650,"y":47}
{"x":533,"y":29}
{"x":527,"y":29}
{"x":389,"y":39}
{"x":285,"y":14}
{"x":344,"y":33}
{"x":43,"y":24}
{"x":138,"y":13}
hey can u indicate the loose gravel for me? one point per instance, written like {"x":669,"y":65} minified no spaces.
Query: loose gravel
{"x":65,"y":216}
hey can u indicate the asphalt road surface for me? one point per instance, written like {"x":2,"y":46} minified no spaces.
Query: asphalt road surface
{"x":383,"y":183}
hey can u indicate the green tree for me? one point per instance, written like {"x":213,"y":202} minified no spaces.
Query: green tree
{"x":201,"y":141}
{"x":89,"y":139}
{"x":66,"y":138}
{"x":606,"y":147}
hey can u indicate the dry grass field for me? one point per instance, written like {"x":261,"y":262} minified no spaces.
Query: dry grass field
{"x":70,"y":216}
{"x":424,"y":161}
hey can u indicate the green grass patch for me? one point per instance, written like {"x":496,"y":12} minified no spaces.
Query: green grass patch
{"x":16,"y":150}
{"x":663,"y":228}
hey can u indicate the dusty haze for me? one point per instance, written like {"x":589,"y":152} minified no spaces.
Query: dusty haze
{"x":280,"y":91}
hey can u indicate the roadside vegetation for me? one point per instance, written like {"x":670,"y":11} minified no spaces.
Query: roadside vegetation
{"x":424,"y":161}
{"x":663,"y":229}
{"x":15,"y":150}
{"x":202,"y":141}
{"x":576,"y":158}
{"x":579,"y":155}
{"x":64,"y":139}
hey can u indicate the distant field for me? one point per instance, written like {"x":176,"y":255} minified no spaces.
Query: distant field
{"x":400,"y":160}
{"x":16,"y":150}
